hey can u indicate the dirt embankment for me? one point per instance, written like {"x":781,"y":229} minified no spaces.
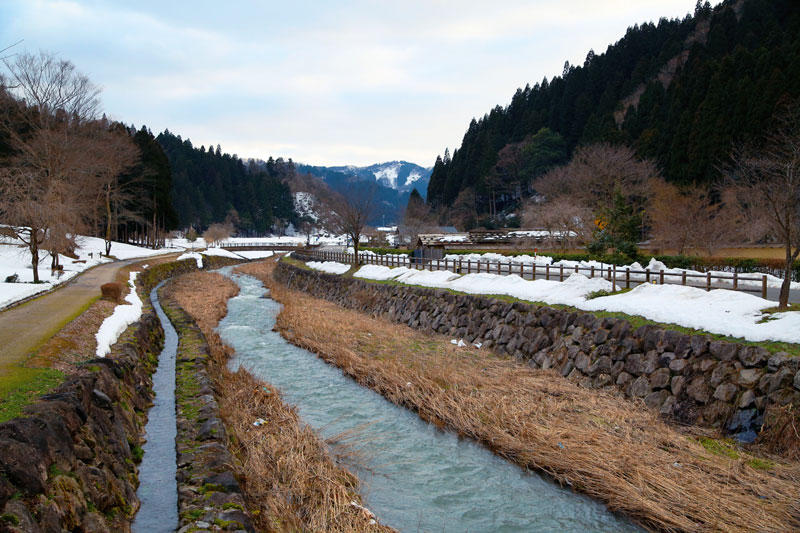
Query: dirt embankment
{"x":595,"y":441}
{"x":289,"y":480}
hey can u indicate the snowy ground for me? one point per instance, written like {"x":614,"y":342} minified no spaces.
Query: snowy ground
{"x":122,"y":317}
{"x":17,"y":260}
{"x":671,"y":275}
{"x":256,"y":254}
{"x":331,"y":267}
{"x":720,"y":311}
{"x":500,"y":264}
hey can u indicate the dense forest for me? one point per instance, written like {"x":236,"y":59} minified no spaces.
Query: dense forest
{"x":211,"y":186}
{"x":682,"y":92}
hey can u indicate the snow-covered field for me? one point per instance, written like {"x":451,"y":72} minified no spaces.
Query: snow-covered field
{"x":720,"y":311}
{"x":331,"y":267}
{"x":671,"y":275}
{"x":17,"y":260}
{"x":256,"y":254}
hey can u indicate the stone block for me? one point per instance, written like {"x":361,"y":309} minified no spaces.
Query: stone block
{"x":676,"y":384}
{"x":748,"y":377}
{"x":725,"y":392}
{"x":747,"y":399}
{"x":698,"y":390}
{"x":660,"y":378}
{"x":640,"y":387}
{"x":753,"y":355}
{"x":677,"y":365}
{"x":724,"y":351}
{"x":654,"y":400}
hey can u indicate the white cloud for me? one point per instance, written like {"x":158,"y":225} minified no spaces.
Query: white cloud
{"x":349,"y":82}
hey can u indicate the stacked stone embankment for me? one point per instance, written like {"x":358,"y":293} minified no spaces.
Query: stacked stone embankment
{"x":70,"y":463}
{"x":692,"y":379}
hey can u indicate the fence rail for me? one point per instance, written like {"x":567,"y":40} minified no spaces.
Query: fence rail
{"x":620,"y":277}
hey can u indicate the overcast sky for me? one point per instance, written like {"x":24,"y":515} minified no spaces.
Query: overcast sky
{"x":321,"y":82}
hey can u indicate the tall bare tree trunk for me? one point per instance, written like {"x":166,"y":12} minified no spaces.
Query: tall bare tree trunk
{"x":108,"y":220}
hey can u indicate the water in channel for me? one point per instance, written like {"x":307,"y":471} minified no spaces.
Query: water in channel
{"x":414,"y":476}
{"x":158,"y":489}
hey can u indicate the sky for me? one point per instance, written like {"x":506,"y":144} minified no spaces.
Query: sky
{"x":326,"y":82}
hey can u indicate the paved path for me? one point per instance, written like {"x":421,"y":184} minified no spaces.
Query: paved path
{"x":24,"y":328}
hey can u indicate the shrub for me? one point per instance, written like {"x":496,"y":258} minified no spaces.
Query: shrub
{"x":111,"y":291}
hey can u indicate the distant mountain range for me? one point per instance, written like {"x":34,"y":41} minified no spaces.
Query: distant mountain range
{"x":394,"y":179}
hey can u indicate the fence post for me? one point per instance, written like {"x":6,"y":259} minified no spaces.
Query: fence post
{"x":591,"y":274}
{"x":614,"y":281}
{"x":547,"y":272}
{"x":735,"y":281}
{"x":764,"y":285}
{"x":708,"y":280}
{"x":683,"y":278}
{"x":627,"y":277}
{"x":533,"y":275}
{"x":561,"y":272}
{"x":661,"y":277}
{"x":647,"y":275}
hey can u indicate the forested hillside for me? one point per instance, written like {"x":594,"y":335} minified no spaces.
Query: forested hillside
{"x":210,"y":186}
{"x":682,"y":92}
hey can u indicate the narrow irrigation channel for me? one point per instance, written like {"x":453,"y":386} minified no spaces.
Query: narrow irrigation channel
{"x":158,"y":489}
{"x":415,"y":477}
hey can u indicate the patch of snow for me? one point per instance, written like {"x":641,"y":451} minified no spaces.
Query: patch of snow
{"x":331,"y":267}
{"x":16,"y":259}
{"x":192,"y":255}
{"x":122,"y":317}
{"x":256,"y":254}
{"x":221,"y":252}
{"x":387,"y":174}
{"x":720,"y":311}
{"x":380,"y":273}
{"x":412,"y":177}
{"x":304,"y":205}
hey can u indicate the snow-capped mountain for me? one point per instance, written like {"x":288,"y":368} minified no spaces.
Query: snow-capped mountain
{"x":401,"y":176}
{"x":392,"y":181}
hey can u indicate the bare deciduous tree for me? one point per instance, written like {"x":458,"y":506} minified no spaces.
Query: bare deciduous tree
{"x":114,"y":153}
{"x":768,"y":180}
{"x":217,"y":233}
{"x":596,"y":173}
{"x":689,"y":218}
{"x":350,"y":212}
{"x":567,"y":221}
{"x":44,"y":110}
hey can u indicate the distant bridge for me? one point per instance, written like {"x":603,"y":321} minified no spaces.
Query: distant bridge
{"x":245,"y":246}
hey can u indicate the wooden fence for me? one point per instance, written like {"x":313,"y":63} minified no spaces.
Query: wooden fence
{"x":620,"y":277}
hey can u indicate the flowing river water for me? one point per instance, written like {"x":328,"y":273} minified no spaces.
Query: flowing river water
{"x":414,"y":476}
{"x":158,"y":488}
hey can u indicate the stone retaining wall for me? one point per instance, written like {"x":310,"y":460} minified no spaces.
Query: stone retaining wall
{"x":691,"y":379}
{"x":70,"y":463}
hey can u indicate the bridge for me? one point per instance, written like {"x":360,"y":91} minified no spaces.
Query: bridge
{"x":266,"y":245}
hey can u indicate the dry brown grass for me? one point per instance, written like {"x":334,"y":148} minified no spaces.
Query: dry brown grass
{"x":596,"y":442}
{"x":290,"y":482}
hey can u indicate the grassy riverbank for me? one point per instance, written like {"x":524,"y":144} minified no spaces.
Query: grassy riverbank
{"x":597,"y":442}
{"x":289,"y":480}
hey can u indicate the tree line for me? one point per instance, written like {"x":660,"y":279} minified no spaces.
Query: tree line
{"x":210,"y":186}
